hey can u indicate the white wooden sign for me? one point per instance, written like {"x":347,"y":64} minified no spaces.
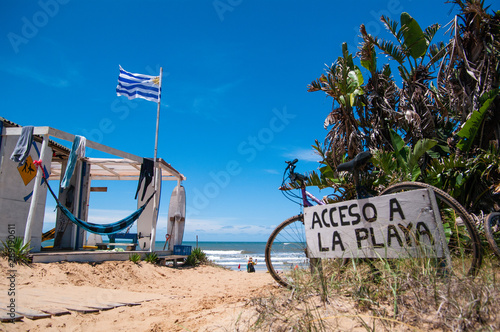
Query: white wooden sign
{"x":401,"y":225}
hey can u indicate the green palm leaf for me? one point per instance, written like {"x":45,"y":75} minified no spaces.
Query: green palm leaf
{"x":421,"y":147}
{"x":470,"y":128}
{"x":414,"y":38}
{"x":392,"y":26}
{"x":393,"y":51}
{"x":431,"y":31}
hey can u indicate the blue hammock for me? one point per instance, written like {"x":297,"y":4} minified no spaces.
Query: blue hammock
{"x":98,"y":228}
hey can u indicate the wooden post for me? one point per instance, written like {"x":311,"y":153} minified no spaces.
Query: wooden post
{"x":36,"y":189}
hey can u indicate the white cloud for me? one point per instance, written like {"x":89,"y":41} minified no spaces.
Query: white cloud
{"x":35,"y":75}
{"x":303,"y":154}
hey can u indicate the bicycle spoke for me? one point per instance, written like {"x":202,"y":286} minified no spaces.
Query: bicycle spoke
{"x":460,"y":234}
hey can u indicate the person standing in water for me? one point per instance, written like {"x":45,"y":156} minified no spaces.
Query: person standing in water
{"x":250,"y":265}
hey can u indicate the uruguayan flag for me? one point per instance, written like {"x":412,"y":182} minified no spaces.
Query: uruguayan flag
{"x":138,"y":86}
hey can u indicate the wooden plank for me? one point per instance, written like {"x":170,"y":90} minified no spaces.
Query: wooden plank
{"x":99,"y":306}
{"x":172,"y":257}
{"x":17,"y":131}
{"x":167,"y":167}
{"x":99,"y":189}
{"x":32,"y":314}
{"x":81,"y":309}
{"x":54,"y":311}
{"x":164,"y":259}
{"x":94,"y":145}
{"x":65,"y":302}
{"x":80,"y":306}
{"x":37,"y":298}
{"x":115,"y":304}
{"x":5,"y":316}
{"x":131,"y":304}
{"x":104,"y":246}
{"x":74,"y":307}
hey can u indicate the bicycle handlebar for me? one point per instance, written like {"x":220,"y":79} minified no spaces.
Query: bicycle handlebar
{"x":294,"y":177}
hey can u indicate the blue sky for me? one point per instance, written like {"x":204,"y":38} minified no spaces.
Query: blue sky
{"x":234,"y":104}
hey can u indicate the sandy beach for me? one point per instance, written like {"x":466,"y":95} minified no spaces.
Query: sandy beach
{"x":160,"y":298}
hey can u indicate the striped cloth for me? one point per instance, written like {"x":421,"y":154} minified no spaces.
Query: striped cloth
{"x":138,"y":86}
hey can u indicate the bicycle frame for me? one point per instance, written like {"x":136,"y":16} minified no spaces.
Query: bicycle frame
{"x":361,"y":192}
{"x":306,"y":194}
{"x":300,"y":179}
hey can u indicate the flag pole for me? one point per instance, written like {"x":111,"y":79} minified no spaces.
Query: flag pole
{"x":158,"y":119}
{"x":155,"y":185}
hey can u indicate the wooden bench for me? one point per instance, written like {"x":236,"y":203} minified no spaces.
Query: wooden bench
{"x":104,"y":246}
{"x":163,"y":259}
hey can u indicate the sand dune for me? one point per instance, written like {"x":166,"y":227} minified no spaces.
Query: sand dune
{"x":156,"y":298}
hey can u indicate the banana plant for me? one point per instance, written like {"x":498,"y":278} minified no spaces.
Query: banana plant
{"x":343,"y":82}
{"x":470,"y":128}
{"x":401,"y":164}
{"x":474,"y":182}
{"x":419,"y":115}
{"x":412,"y":45}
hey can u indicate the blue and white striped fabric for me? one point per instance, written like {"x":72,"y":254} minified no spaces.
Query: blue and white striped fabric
{"x":138,"y":86}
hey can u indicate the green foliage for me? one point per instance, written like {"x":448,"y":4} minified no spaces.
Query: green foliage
{"x":196,"y":257}
{"x":412,"y":43}
{"x":472,"y":181}
{"x":151,"y":257}
{"x":437,"y":127}
{"x":470,"y":128}
{"x":135,"y":257}
{"x":407,"y":159}
{"x":343,"y":82}
{"x":16,"y":252}
{"x":414,"y":38}
{"x":401,"y":164}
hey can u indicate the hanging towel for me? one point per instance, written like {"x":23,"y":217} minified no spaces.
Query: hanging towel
{"x":77,"y":151}
{"x":23,"y":146}
{"x":147,"y":171}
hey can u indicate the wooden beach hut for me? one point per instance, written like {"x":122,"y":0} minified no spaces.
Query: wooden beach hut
{"x":23,"y":193}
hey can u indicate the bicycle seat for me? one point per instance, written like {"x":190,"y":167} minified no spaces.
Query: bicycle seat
{"x":357,"y":162}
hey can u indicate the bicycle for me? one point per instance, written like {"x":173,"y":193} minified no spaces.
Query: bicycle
{"x":492,"y":231}
{"x":287,"y":254}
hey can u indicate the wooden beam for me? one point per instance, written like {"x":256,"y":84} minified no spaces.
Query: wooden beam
{"x":16,"y":131}
{"x":94,"y":145}
{"x":129,"y":158}
{"x":99,"y":189}
{"x":108,"y":170}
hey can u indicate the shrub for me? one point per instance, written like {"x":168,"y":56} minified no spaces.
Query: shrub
{"x":136,"y":258}
{"x":151,"y":257}
{"x":196,"y":257}
{"x":15,"y":251}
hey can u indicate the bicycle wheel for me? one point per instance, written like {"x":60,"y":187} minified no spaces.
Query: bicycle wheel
{"x":492,"y":231}
{"x":287,"y":258}
{"x":286,"y":250}
{"x":460,"y":232}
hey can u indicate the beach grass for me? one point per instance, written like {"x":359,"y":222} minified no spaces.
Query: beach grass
{"x":399,"y":296}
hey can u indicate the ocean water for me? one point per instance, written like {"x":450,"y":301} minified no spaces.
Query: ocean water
{"x":233,"y":255}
